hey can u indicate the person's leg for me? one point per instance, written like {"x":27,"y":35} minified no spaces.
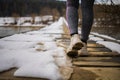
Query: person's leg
{"x":72,"y":19}
{"x":87,"y":18}
{"x":72,"y":15}
{"x":87,"y":21}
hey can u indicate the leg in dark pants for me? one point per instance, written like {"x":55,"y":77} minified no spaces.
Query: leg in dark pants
{"x":72,"y":15}
{"x":78,"y":46}
{"x":87,"y":17}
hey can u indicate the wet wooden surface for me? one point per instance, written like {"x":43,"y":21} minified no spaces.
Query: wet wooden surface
{"x":100,"y":64}
{"x":95,"y":73}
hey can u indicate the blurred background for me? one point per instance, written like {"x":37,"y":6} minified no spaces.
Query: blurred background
{"x":17,"y":16}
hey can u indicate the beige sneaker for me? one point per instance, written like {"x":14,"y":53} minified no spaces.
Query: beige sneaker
{"x":75,"y":45}
{"x":83,"y":51}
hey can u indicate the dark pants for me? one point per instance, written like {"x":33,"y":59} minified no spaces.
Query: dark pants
{"x":87,"y":17}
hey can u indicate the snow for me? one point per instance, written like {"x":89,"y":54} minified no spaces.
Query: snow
{"x":115,"y":47}
{"x":105,"y":36}
{"x":118,"y":40}
{"x":56,"y":27}
{"x":22,"y":20}
{"x":26,"y":24}
{"x":37,"y":19}
{"x":48,"y":17}
{"x":1,"y":21}
{"x":26,"y":21}
{"x":29,"y":63}
{"x":1,"y":24}
{"x":96,"y":38}
{"x":16,"y":45}
{"x":34,"y":54}
{"x":28,"y":38}
{"x":117,"y":2}
{"x":111,"y":45}
{"x":39,"y":25}
{"x":49,"y":71}
{"x":6,"y":21}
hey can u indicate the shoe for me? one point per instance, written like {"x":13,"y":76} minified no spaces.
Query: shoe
{"x":83,"y":51}
{"x":75,"y":45}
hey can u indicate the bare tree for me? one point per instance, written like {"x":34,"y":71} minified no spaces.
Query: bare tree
{"x":112,"y":12}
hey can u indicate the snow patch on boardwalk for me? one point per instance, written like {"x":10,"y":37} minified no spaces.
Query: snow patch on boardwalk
{"x":35,"y":53}
{"x":111,"y":45}
{"x":115,"y":47}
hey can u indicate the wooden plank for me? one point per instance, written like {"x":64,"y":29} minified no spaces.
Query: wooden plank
{"x":97,"y":61}
{"x":98,"y":49}
{"x":66,"y":39}
{"x":63,"y":38}
{"x":89,"y":45}
{"x":96,"y":64}
{"x":57,"y":33}
{"x":101,"y":54}
{"x":93,"y":73}
{"x":91,"y":41}
{"x":94,"y":45}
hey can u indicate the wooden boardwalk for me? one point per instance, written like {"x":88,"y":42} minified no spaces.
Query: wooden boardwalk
{"x":100,"y":64}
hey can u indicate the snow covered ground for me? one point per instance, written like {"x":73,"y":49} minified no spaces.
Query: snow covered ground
{"x":36,"y":54}
{"x":26,"y":21}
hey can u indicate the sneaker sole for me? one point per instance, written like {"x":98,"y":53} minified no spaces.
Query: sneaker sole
{"x":77,"y":46}
{"x":73,"y":53}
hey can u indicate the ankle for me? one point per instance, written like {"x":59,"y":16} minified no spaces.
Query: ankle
{"x":84,"y":41}
{"x":73,"y":34}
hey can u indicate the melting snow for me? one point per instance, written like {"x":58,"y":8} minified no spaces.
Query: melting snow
{"x":111,"y":45}
{"x":34,"y":54}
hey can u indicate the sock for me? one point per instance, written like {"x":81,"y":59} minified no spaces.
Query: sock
{"x":85,"y":41}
